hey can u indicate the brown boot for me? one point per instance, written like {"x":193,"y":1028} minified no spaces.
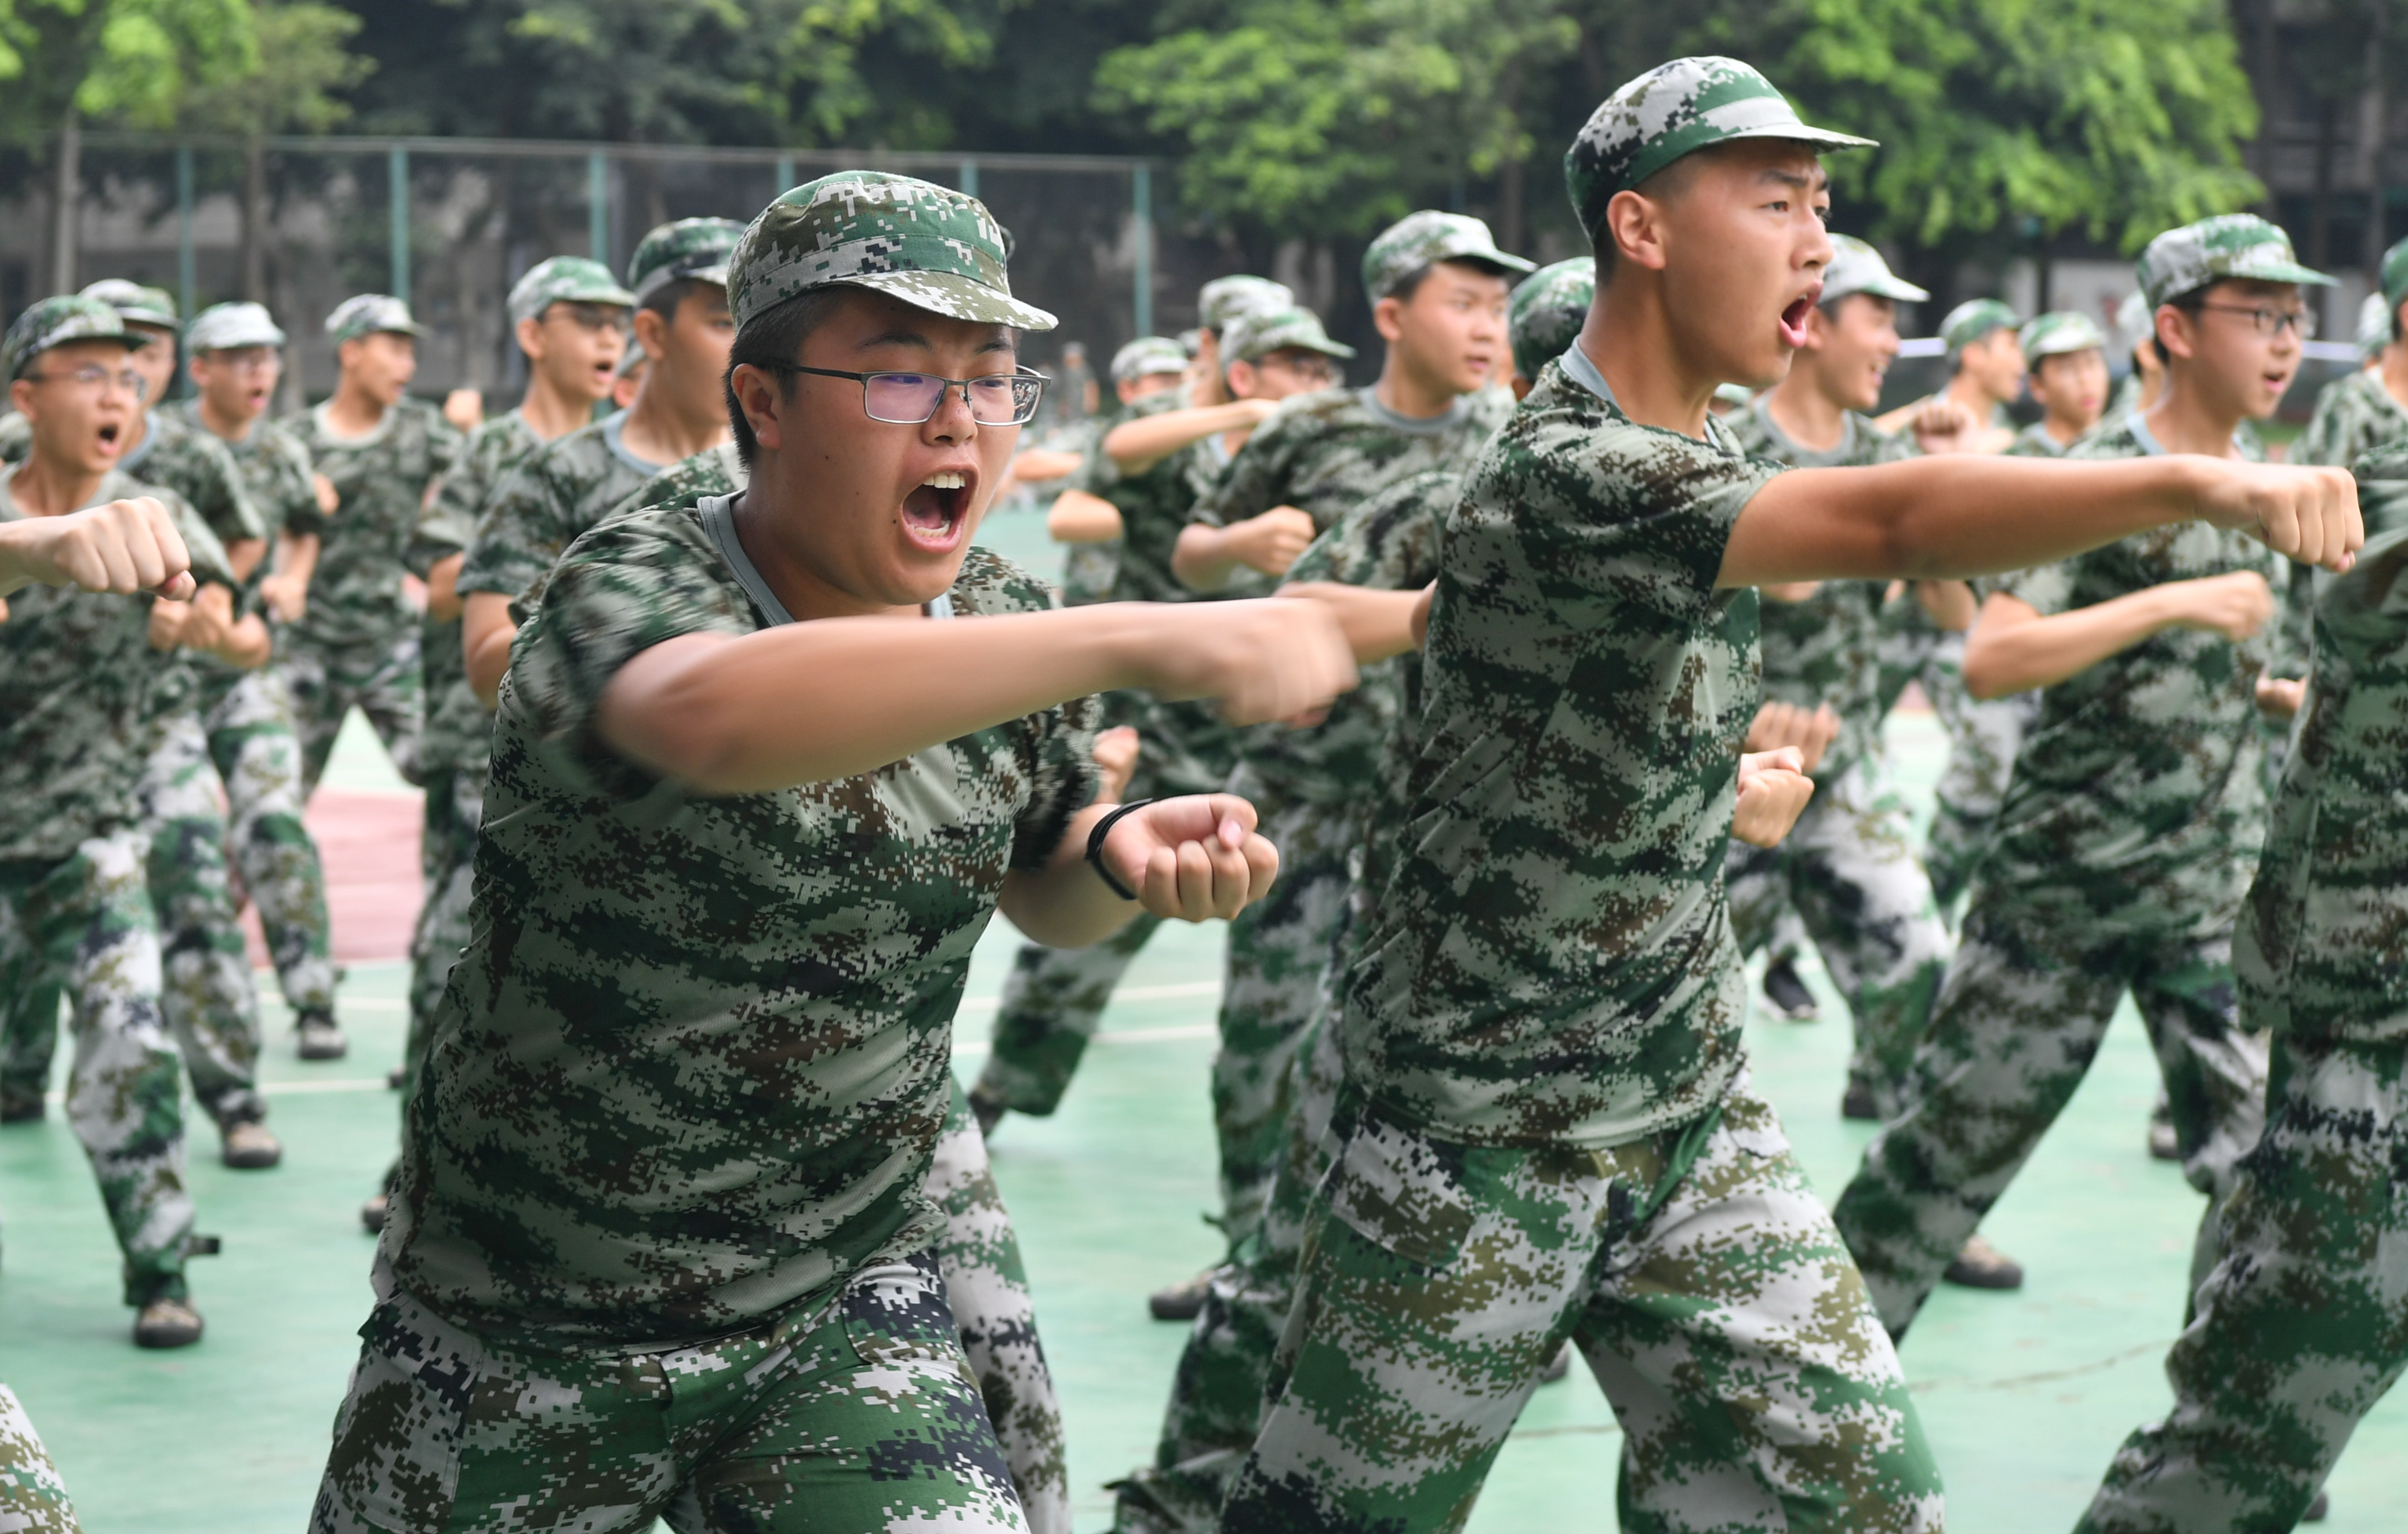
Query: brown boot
{"x":166,"y":1324}
{"x":248,"y":1147}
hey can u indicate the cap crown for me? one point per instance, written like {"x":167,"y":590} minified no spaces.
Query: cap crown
{"x":1973,"y":319}
{"x":136,"y":303}
{"x":1224,"y":299}
{"x":1547,"y":312}
{"x":1147,"y":356}
{"x":55,"y":322}
{"x":223,"y":327}
{"x":2377,"y":317}
{"x":928,"y":245}
{"x":2059,"y":333}
{"x":1858,"y":267}
{"x":1254,"y":335}
{"x":2229,"y":246}
{"x":1419,"y":239}
{"x":565,"y":279}
{"x":695,"y":247}
{"x":366,"y":313}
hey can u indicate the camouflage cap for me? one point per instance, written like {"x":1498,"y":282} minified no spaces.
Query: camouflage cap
{"x":2394,"y":278}
{"x":699,"y":249}
{"x":1858,"y":267}
{"x":1675,"y":110}
{"x":930,"y":245}
{"x":1147,"y":356}
{"x":2377,"y":317}
{"x":565,"y":279}
{"x":223,"y":327}
{"x":1192,"y":342}
{"x":1224,"y":299}
{"x":2059,"y":333}
{"x":2227,"y":246}
{"x":1421,"y":239}
{"x":368,"y":313}
{"x":2135,"y":321}
{"x":1973,"y":319}
{"x":1547,"y":312}
{"x":55,"y":322}
{"x":1258,"y":333}
{"x":136,"y":303}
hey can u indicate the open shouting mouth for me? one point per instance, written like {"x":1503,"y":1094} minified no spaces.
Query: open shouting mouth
{"x":1793,"y":319}
{"x":938,"y":508}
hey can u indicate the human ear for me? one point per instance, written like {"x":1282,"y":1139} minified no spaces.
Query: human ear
{"x":764,"y":403}
{"x":1635,"y":224}
{"x":2173,"y":329}
{"x":1388,"y":317}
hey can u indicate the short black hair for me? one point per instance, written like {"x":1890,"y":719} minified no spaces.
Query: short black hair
{"x":771,"y":342}
{"x":1663,"y":186}
{"x":665,"y":299}
{"x":1404,"y":288}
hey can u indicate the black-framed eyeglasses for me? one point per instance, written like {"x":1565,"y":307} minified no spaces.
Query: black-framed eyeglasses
{"x":2274,"y":322}
{"x":908,"y":399}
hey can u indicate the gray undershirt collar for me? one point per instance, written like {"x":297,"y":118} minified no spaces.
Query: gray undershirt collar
{"x":718,"y":520}
{"x":1583,"y":372}
{"x":1415,"y":426}
{"x":614,"y":427}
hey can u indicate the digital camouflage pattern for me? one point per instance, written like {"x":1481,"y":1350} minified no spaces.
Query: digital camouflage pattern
{"x":1148,"y":357}
{"x":2034,"y":441}
{"x":2058,"y":334}
{"x":275,"y":469}
{"x":930,"y":245}
{"x":226,"y":327}
{"x":2215,"y":250}
{"x":369,"y":313}
{"x":1671,"y":110}
{"x":454,"y":808}
{"x":1328,"y":451}
{"x":750,"y":1193}
{"x":1973,"y":319}
{"x":33,"y":1498}
{"x":1256,"y":335}
{"x":2301,"y":1328}
{"x":325,"y":683}
{"x":459,"y":729}
{"x":854,"y":1412}
{"x":179,"y":454}
{"x":1693,"y":1266}
{"x":1553,"y":962}
{"x":534,"y":513}
{"x":1421,"y":240}
{"x":1857,"y":267}
{"x":1088,"y":570}
{"x":55,"y":322}
{"x":1052,"y":1003}
{"x":258,"y":760}
{"x":565,"y":279}
{"x":1551,"y":306}
{"x":682,"y":250}
{"x":1983,"y":735}
{"x":83,"y":923}
{"x":2355,"y":415}
{"x":1224,"y":299}
{"x":136,"y":303}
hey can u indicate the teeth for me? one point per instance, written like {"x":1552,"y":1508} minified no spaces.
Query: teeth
{"x":944,"y":482}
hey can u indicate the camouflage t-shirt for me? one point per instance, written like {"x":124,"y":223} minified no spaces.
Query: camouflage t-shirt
{"x":458,"y":733}
{"x":1825,"y":648}
{"x":384,"y":478}
{"x":1089,"y":570}
{"x":2135,"y":804}
{"x":689,"y":1071}
{"x":1553,"y":960}
{"x":275,"y":469}
{"x":2034,"y":441}
{"x":1327,"y":452}
{"x":2355,"y":415}
{"x":78,"y":687}
{"x":2322,"y":949}
{"x":541,"y":509}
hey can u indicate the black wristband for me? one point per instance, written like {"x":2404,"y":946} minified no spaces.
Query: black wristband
{"x":1096,"y":846}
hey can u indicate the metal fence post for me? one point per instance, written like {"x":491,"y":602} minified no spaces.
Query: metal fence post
{"x":397,"y":173}
{"x":786,"y":175}
{"x":1141,"y":209}
{"x":597,"y":206}
{"x":184,"y":228}
{"x":970,"y":178}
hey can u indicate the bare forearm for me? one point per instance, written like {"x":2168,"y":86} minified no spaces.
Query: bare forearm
{"x":244,"y":555}
{"x":297,"y":556}
{"x":443,"y":589}
{"x":1945,"y":517}
{"x":2003,"y":659}
{"x":1064,"y":905}
{"x":247,"y":645}
{"x":1949,"y":604}
{"x":1378,"y":624}
{"x":1077,"y":517}
{"x":1202,"y":559}
{"x":1136,"y":446}
{"x":486,"y":633}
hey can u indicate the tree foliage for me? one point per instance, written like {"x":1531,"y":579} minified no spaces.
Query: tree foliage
{"x":131,"y":61}
{"x":300,"y":81}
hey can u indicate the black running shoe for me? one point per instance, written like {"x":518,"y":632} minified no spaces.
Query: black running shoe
{"x":1788,"y":994}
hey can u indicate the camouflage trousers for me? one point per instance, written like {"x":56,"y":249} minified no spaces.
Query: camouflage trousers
{"x":986,"y":1285}
{"x":1983,"y":739}
{"x":85,"y":922}
{"x":258,"y":759}
{"x":447,"y":856}
{"x":380,"y":678}
{"x":213,"y":1012}
{"x":857,"y":1415}
{"x":33,"y":1498}
{"x":1849,"y":872}
{"x":1695,"y":1271}
{"x":1273,"y":985}
{"x":2301,"y":1325}
{"x":2019,"y":1021}
{"x":1052,"y":1003}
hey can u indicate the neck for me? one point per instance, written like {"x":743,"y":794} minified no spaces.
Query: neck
{"x":2064,"y":427}
{"x":45,"y":487}
{"x":1810,"y":417}
{"x":354,"y":410}
{"x":2186,"y":420}
{"x":135,"y":430}
{"x":1654,"y":377}
{"x":664,"y":426}
{"x":806,"y":593}
{"x":550,"y":411}
{"x":1403,"y":391}
{"x":1966,"y":391}
{"x":231,"y":428}
{"x":2395,"y":372}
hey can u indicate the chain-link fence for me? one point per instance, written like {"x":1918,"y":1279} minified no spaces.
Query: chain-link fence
{"x":301,"y":223}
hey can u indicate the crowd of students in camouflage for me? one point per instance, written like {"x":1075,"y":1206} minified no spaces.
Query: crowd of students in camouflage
{"x":691,"y":1219}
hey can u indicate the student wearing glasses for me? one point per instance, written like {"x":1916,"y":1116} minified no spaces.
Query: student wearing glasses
{"x":764,"y":768}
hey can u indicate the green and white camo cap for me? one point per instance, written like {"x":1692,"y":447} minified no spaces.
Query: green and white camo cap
{"x":1973,"y":319}
{"x":565,"y":279}
{"x":1224,"y":299}
{"x":682,"y":250}
{"x":2374,"y":325}
{"x":1256,"y":335}
{"x":2059,"y":333}
{"x":1147,"y":357}
{"x":930,"y":245}
{"x":55,"y":322}
{"x":136,"y":303}
{"x":2393,"y":282}
{"x":2225,"y":247}
{"x":1424,"y":239}
{"x":225,"y":328}
{"x":1674,"y":110}
{"x":1858,"y":267}
{"x":369,"y":313}
{"x":1545,"y":314}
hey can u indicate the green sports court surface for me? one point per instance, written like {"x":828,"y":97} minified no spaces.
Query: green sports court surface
{"x":2025,"y":1394}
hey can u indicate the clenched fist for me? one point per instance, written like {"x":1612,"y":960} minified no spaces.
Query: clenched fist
{"x":1774,"y":789}
{"x":1193,"y":858}
{"x":124,"y":547}
{"x":2304,"y":513}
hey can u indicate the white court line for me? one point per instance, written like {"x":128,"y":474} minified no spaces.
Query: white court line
{"x":969,"y":1004}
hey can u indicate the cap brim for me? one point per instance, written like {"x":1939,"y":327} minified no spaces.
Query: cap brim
{"x":1896,"y":289}
{"x":1798,"y":133}
{"x":237,"y":342}
{"x":2281,"y":271}
{"x":149,"y":317}
{"x":1326,"y":347}
{"x":1492,"y":257}
{"x":955,"y":297}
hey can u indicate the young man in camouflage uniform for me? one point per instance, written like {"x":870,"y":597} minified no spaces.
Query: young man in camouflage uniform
{"x":77,"y":672}
{"x":678,"y":275}
{"x":236,"y":358}
{"x":2134,"y":811}
{"x":33,"y":1498}
{"x":2300,"y":1329}
{"x":1055,"y":998}
{"x":356,"y":646}
{"x":733,"y":1317}
{"x":568,"y":314}
{"x":1547,"y":1125}
{"x":1985,"y":375}
{"x":1088,"y":524}
{"x":1437,"y":287}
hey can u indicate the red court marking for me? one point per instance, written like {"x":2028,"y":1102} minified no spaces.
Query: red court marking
{"x":368,"y":840}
